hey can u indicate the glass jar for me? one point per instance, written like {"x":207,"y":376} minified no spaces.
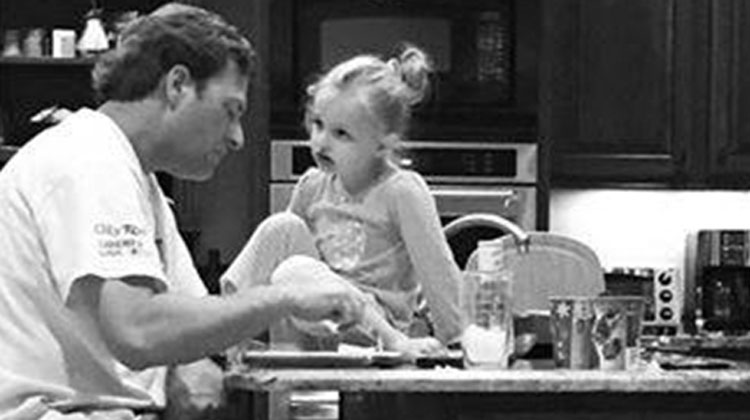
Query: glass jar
{"x":12,"y":43}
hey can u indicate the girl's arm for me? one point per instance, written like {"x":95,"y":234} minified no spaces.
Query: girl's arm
{"x":422,"y":232}
{"x":304,"y":190}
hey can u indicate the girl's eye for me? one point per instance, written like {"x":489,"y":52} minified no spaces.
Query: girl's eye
{"x":341,"y":133}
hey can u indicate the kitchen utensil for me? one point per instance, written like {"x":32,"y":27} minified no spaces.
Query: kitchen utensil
{"x":321,"y":359}
{"x":735,"y":348}
{"x":93,"y":403}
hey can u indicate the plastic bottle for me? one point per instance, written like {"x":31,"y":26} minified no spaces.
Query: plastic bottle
{"x":94,"y":39}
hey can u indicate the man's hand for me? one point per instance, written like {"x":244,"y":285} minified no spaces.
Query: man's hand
{"x":316,"y":293}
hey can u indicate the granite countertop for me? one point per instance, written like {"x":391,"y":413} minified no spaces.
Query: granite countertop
{"x":502,"y":381}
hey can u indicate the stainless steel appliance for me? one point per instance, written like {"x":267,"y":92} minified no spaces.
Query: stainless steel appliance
{"x":464,"y":177}
{"x":484,"y":54}
{"x":663,"y":289}
{"x":720,"y":263}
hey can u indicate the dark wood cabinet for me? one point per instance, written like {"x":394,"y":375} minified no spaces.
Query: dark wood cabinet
{"x":649,"y":92}
{"x":216,"y":215}
{"x":625,"y":91}
{"x":29,"y":85}
{"x":729,"y":118}
{"x":629,"y":90}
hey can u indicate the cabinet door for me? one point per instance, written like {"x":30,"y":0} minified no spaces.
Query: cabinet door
{"x":729,"y":124}
{"x":621,"y":89}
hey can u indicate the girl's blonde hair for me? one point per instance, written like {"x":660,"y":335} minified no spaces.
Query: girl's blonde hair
{"x":389,"y":88}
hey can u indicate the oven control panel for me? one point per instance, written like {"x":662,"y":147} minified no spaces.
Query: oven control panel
{"x":662,"y":289}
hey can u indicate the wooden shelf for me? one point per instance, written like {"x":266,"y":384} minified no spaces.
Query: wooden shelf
{"x":47,"y":61}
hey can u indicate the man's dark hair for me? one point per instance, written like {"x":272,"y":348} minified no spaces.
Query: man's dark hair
{"x":171,"y":35}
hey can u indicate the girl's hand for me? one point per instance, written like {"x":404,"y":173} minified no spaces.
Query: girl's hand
{"x":419,"y":347}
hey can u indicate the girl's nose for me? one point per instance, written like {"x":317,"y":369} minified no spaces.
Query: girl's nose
{"x":318,"y":140}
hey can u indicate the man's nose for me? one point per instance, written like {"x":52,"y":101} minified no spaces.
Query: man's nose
{"x":236,"y":136}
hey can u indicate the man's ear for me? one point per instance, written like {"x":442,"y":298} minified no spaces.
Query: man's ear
{"x":177,"y":82}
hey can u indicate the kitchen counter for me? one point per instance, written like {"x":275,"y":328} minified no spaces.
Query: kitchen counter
{"x":505,"y":381}
{"x":508,"y":394}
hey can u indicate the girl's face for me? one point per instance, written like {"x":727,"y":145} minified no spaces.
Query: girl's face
{"x":346,"y":138}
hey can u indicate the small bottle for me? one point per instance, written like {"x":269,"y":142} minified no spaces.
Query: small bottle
{"x":33,"y":44}
{"x":94,"y":39}
{"x":12,"y":43}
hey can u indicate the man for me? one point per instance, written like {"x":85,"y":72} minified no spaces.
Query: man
{"x":97,"y":289}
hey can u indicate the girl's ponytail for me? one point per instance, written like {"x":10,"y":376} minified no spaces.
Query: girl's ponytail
{"x":413,"y":67}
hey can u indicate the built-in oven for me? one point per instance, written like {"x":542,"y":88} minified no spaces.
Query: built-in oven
{"x":464,"y":177}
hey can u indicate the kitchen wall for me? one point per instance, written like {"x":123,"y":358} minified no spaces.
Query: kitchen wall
{"x":644,"y":227}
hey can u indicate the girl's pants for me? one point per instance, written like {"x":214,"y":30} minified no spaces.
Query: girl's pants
{"x":278,"y":237}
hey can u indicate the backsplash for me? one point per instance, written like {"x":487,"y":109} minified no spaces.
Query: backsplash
{"x":644,"y":227}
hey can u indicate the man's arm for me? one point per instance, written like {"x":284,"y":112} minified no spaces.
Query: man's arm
{"x":144,"y":328}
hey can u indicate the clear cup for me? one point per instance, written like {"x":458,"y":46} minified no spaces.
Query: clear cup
{"x":488,"y":340}
{"x":635,"y":307}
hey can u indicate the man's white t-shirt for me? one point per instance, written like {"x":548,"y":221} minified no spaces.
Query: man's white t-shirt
{"x":74,"y":202}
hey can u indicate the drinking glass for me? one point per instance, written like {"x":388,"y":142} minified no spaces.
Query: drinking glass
{"x":488,"y":339}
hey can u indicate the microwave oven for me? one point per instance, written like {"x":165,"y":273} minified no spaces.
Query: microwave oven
{"x":484,"y":53}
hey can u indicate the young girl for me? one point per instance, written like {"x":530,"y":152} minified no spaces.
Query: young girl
{"x":371,"y":222}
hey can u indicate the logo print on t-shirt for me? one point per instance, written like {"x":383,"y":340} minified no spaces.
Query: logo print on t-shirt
{"x":341,"y":242}
{"x":119,"y":240}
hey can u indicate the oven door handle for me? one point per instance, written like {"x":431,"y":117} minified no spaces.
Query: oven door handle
{"x":508,"y":197}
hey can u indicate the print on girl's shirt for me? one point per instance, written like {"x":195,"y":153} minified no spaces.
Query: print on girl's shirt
{"x":341,"y":242}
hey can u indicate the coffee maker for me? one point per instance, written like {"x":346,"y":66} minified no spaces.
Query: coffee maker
{"x":720,"y":261}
